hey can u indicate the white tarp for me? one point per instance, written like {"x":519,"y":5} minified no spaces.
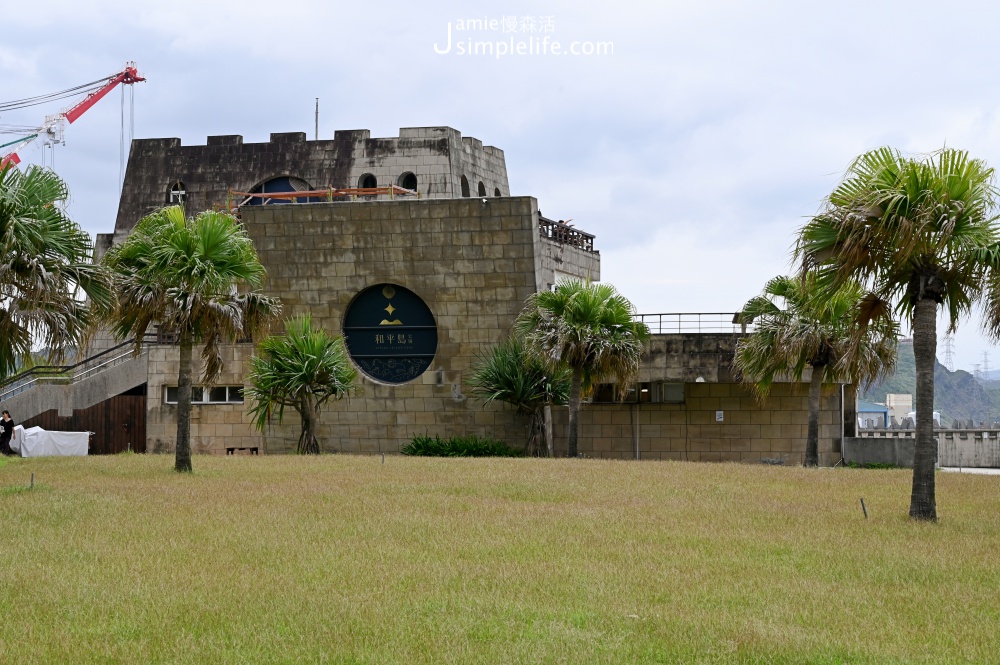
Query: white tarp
{"x":37,"y":442}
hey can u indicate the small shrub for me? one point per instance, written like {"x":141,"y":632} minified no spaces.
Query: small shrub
{"x":872,"y":465}
{"x":457,"y":446}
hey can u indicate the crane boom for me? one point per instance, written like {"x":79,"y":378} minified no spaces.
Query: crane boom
{"x":127,"y":76}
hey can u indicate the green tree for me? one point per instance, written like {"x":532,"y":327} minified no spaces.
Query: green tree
{"x":918,"y":233}
{"x":508,"y":373}
{"x":48,"y":283}
{"x":799,"y":327}
{"x":302,"y":369}
{"x":589,"y":329}
{"x":191,"y":277}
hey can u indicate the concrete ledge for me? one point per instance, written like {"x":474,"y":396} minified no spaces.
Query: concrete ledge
{"x":892,"y":450}
{"x":958,"y":448}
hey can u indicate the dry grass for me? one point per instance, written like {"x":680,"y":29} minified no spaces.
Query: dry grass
{"x":342,"y":559}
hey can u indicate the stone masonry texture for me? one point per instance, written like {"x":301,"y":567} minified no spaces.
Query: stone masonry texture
{"x":473,"y":260}
{"x":438,"y":156}
{"x":473,"y":264}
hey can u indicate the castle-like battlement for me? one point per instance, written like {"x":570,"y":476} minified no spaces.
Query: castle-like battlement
{"x":437,"y":162}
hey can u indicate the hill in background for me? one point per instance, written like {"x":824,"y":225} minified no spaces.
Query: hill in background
{"x":957,"y":395}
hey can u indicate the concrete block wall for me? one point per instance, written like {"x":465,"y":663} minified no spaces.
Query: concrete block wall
{"x":213,"y":426}
{"x":894,"y":450}
{"x":956,"y":448}
{"x":749,"y":432}
{"x":421,"y":151}
{"x":553,"y":258}
{"x":473,"y":265}
{"x":438,"y":156}
{"x":969,"y":448}
{"x":478,"y":163}
{"x":686,"y":357}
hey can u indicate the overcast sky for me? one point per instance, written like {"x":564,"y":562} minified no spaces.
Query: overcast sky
{"x":694,"y":149}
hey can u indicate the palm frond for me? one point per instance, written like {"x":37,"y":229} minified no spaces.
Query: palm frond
{"x":584,"y":326}
{"x":48,"y":286}
{"x":303,"y":361}
{"x":848,"y":334}
{"x":189,"y":274}
{"x":509,"y":374}
{"x":907,"y":228}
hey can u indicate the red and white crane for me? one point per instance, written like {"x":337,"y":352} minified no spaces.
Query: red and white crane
{"x":53,"y":126}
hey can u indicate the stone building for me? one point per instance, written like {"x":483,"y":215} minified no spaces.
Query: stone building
{"x":470,"y":263}
{"x":421,"y":287}
{"x":436,"y":162}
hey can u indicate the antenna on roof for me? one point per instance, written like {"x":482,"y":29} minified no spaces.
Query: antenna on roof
{"x":316,"y":133}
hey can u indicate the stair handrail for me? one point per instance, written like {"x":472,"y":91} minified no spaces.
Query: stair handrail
{"x":20,"y":381}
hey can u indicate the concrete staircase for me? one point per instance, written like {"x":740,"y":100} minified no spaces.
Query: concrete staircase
{"x":79,"y":386}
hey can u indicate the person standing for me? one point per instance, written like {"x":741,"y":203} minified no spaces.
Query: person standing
{"x":6,"y":432}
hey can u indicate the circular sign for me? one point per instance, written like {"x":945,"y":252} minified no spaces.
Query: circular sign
{"x":390,"y":333}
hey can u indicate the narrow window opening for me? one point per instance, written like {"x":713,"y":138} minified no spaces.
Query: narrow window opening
{"x":407,"y":181}
{"x":205,"y":395}
{"x":177,"y":193}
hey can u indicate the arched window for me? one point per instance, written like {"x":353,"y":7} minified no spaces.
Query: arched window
{"x":465,"y":187}
{"x":482,"y":188}
{"x":496,"y":191}
{"x":367,"y":181}
{"x":177,"y":193}
{"x":407,"y":181}
{"x":281,"y":184}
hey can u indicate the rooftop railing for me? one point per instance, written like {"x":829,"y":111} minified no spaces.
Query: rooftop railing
{"x":693,"y":322}
{"x":565,"y":234}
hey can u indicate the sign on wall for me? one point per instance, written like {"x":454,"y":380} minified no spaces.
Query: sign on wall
{"x":390,"y":333}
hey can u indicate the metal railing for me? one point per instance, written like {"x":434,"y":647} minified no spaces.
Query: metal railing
{"x":67,"y":374}
{"x":565,"y":234}
{"x":693,"y":322}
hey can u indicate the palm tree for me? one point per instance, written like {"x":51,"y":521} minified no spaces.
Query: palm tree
{"x":48,"y":283}
{"x":918,"y":233}
{"x":589,"y":329}
{"x":508,"y":373}
{"x":799,"y":327}
{"x":186,"y":275}
{"x":303,"y":369}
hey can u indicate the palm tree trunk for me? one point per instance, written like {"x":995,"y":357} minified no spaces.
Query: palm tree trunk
{"x":922,"y":501}
{"x":575,"y":397}
{"x":536,"y":434}
{"x":308,"y":442}
{"x":549,"y":447}
{"x":812,"y":434}
{"x":182,"y":460}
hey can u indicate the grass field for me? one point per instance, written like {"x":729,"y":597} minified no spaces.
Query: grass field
{"x":342,"y":559}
